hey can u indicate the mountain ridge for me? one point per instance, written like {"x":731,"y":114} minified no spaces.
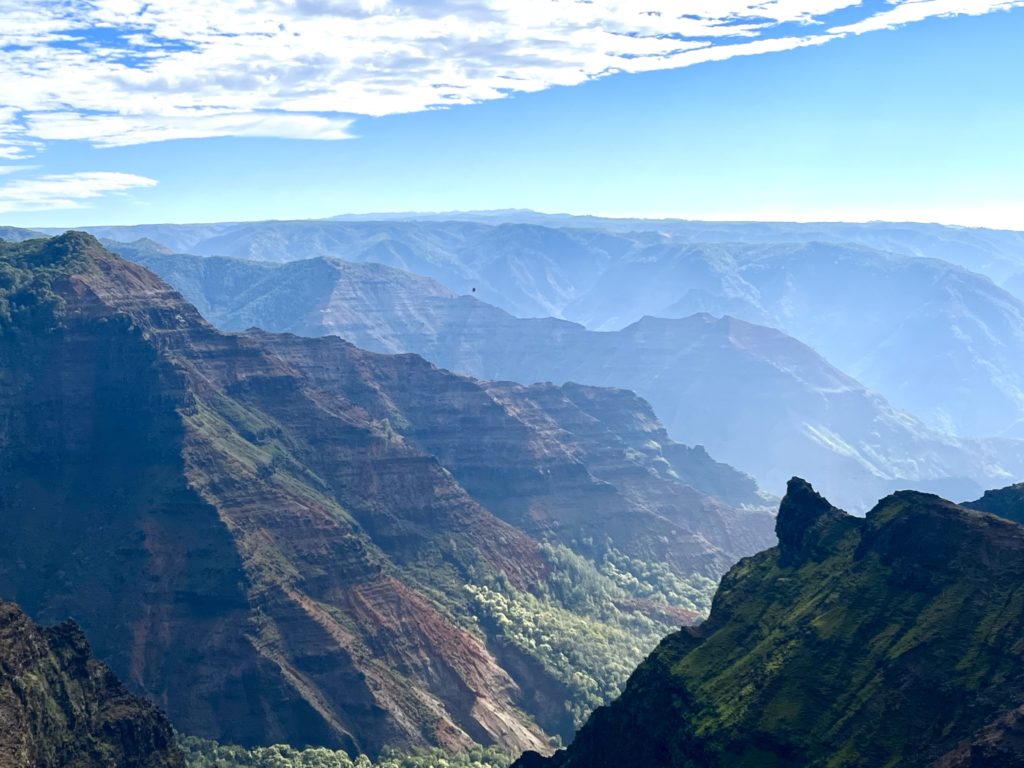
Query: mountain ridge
{"x":919,"y":293}
{"x":885,"y":640}
{"x":275,"y":538}
{"x":60,"y":707}
{"x":697,"y":372}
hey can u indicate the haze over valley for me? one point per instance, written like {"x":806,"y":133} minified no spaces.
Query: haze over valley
{"x":705,"y":342}
{"x":547,"y":384}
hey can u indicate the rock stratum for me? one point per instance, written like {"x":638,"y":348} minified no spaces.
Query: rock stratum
{"x":890,"y":640}
{"x":60,"y":707}
{"x":754,"y":397}
{"x":281,"y":539}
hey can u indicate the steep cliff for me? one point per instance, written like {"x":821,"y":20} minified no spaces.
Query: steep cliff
{"x":891,"y":640}
{"x":1006,"y":502}
{"x":286,"y":539}
{"x":753,"y":396}
{"x":61,"y":708}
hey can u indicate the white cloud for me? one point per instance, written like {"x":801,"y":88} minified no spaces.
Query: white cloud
{"x":108,"y":130}
{"x":919,"y":10}
{"x":67,"y":190}
{"x":117,"y":72}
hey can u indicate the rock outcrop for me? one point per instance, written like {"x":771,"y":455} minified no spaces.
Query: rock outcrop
{"x":60,"y":708}
{"x":998,"y":745}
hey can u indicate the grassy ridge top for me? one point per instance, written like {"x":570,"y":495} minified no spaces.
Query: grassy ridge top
{"x":877,"y":641}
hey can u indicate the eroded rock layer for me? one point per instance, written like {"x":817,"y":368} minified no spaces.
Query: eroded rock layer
{"x":286,"y":539}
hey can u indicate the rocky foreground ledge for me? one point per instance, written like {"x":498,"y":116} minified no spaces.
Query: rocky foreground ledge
{"x":60,"y":707}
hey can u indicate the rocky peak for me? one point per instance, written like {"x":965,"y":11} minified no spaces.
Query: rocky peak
{"x":928,"y":542}
{"x":1005,"y":502}
{"x":806,"y":523}
{"x":148,"y":244}
{"x":69,"y":247}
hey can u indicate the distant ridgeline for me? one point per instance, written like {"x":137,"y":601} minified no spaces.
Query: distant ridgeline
{"x":891,"y":304}
{"x":895,"y":640}
{"x":780,"y":358}
{"x":292,"y":540}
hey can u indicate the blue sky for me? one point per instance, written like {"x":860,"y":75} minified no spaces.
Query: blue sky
{"x":921,"y":121}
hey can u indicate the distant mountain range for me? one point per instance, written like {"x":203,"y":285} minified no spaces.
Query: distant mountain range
{"x":859,"y":294}
{"x":279,"y":536}
{"x":996,"y":254}
{"x":891,"y":640}
{"x":893,"y":322}
{"x":754,"y":397}
{"x":283,"y":539}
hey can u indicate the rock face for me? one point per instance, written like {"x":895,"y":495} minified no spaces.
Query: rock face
{"x":998,"y":745}
{"x":59,"y":707}
{"x":276,"y":538}
{"x":756,"y":398}
{"x":890,"y":640}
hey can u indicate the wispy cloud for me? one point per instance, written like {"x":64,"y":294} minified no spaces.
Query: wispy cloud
{"x":918,"y":10}
{"x":116,"y":72}
{"x":65,"y":191}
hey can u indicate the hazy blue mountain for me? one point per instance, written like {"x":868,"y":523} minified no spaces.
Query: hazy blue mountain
{"x":893,"y":322}
{"x":756,"y":398}
{"x":525,"y":269}
{"x":997,"y":253}
{"x":861,"y":295}
{"x":1014,"y":285}
{"x":17,"y":234}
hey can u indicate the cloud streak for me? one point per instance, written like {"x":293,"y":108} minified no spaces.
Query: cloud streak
{"x":66,"y":190}
{"x":120,"y":72}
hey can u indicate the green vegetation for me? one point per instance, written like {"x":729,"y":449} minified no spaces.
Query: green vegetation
{"x":200,"y":753}
{"x":655,"y":580}
{"x":27,"y":274}
{"x":585,"y":624}
{"x":855,"y":643}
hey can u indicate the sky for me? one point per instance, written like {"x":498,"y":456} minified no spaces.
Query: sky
{"x":120,"y":112}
